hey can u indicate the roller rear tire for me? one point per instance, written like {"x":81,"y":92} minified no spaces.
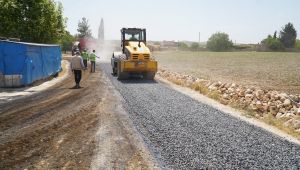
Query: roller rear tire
{"x":149,"y":75}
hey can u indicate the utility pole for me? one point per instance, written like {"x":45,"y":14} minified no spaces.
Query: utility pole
{"x":199,"y":38}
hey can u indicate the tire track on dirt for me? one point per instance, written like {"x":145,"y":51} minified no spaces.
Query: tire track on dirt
{"x":29,"y":130}
{"x":59,"y":129}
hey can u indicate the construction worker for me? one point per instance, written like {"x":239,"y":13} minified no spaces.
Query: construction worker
{"x":77,"y":66}
{"x":85,"y":57}
{"x":93,"y":61}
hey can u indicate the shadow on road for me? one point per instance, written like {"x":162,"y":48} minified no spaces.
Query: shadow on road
{"x":135,"y":80}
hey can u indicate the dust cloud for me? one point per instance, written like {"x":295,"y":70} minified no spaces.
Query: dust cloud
{"x":104,"y":49}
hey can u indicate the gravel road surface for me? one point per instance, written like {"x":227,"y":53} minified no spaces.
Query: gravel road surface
{"x":186,"y":134}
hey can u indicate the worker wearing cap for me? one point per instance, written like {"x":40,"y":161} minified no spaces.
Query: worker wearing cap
{"x":85,"y":57}
{"x":93,"y":61}
{"x":77,"y":66}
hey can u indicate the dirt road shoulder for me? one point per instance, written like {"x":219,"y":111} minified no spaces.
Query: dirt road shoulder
{"x":63,"y":128}
{"x":118,"y":139}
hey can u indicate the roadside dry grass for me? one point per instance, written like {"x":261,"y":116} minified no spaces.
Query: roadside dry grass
{"x":271,"y":70}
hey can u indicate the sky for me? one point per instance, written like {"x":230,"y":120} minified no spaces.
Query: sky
{"x":246,"y":21}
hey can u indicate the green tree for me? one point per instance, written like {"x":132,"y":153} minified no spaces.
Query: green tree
{"x":194,"y":46}
{"x":84,"y":29}
{"x":67,"y":42}
{"x":38,"y":21}
{"x":288,"y":35}
{"x":297,"y":45}
{"x":275,"y":35}
{"x":273,"y":43}
{"x":219,"y":42}
{"x":182,"y":46}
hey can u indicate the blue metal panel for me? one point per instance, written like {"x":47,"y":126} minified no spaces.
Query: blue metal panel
{"x":32,"y":61}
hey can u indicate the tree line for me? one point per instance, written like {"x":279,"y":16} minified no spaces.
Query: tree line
{"x":42,"y":21}
{"x":38,"y":21}
{"x":220,"y":41}
{"x":286,"y":39}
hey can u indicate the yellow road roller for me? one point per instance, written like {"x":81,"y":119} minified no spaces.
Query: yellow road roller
{"x":135,"y":57}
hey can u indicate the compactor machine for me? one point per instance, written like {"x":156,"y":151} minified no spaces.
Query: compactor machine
{"x":135,"y":57}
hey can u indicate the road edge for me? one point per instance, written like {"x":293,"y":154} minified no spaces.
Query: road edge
{"x":228,"y":110}
{"x":133,"y":134}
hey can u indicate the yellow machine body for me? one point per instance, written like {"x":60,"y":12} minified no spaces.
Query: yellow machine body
{"x":135,"y":57}
{"x":139,"y":59}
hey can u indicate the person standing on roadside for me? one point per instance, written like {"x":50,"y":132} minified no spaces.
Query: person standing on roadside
{"x":93,"y":57}
{"x":85,"y":57}
{"x":77,"y":66}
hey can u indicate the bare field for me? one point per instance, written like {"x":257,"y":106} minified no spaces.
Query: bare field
{"x":272,"y":70}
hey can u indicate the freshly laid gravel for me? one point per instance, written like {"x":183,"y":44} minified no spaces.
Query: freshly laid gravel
{"x":186,"y":134}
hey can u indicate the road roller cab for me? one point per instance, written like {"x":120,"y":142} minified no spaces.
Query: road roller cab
{"x":135,"y":57}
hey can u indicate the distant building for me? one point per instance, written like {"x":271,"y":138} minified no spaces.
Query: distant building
{"x":101,"y":31}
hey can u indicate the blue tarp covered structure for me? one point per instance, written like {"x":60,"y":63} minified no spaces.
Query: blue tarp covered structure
{"x":23,"y":63}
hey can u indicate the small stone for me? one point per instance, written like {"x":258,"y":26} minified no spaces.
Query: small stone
{"x":293,"y":110}
{"x":287,"y":102}
{"x":230,"y":90}
{"x":212,"y":88}
{"x":279,"y":106}
{"x":274,"y":96}
{"x":296,"y":124}
{"x":189,"y":82}
{"x":282,"y":95}
{"x":227,"y":85}
{"x":258,"y":104}
{"x":226,"y":96}
{"x":270,"y":103}
{"x":279,"y":115}
{"x":259,"y":94}
{"x":233,"y":85}
{"x":248,"y":97}
{"x":253,"y":106}
{"x":268,"y":95}
{"x":223,"y":89}
{"x":288,"y":123}
{"x":273,"y":110}
{"x":241,"y":93}
{"x":224,"y":101}
{"x":297,"y":112}
{"x":293,"y":122}
{"x":235,"y":97}
{"x":283,"y":110}
{"x":294,"y":98}
{"x":288,"y":115}
{"x":265,"y":107}
{"x":289,"y":107}
{"x":248,"y":91}
{"x":199,"y":80}
{"x":257,"y":115}
{"x":218,"y":84}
